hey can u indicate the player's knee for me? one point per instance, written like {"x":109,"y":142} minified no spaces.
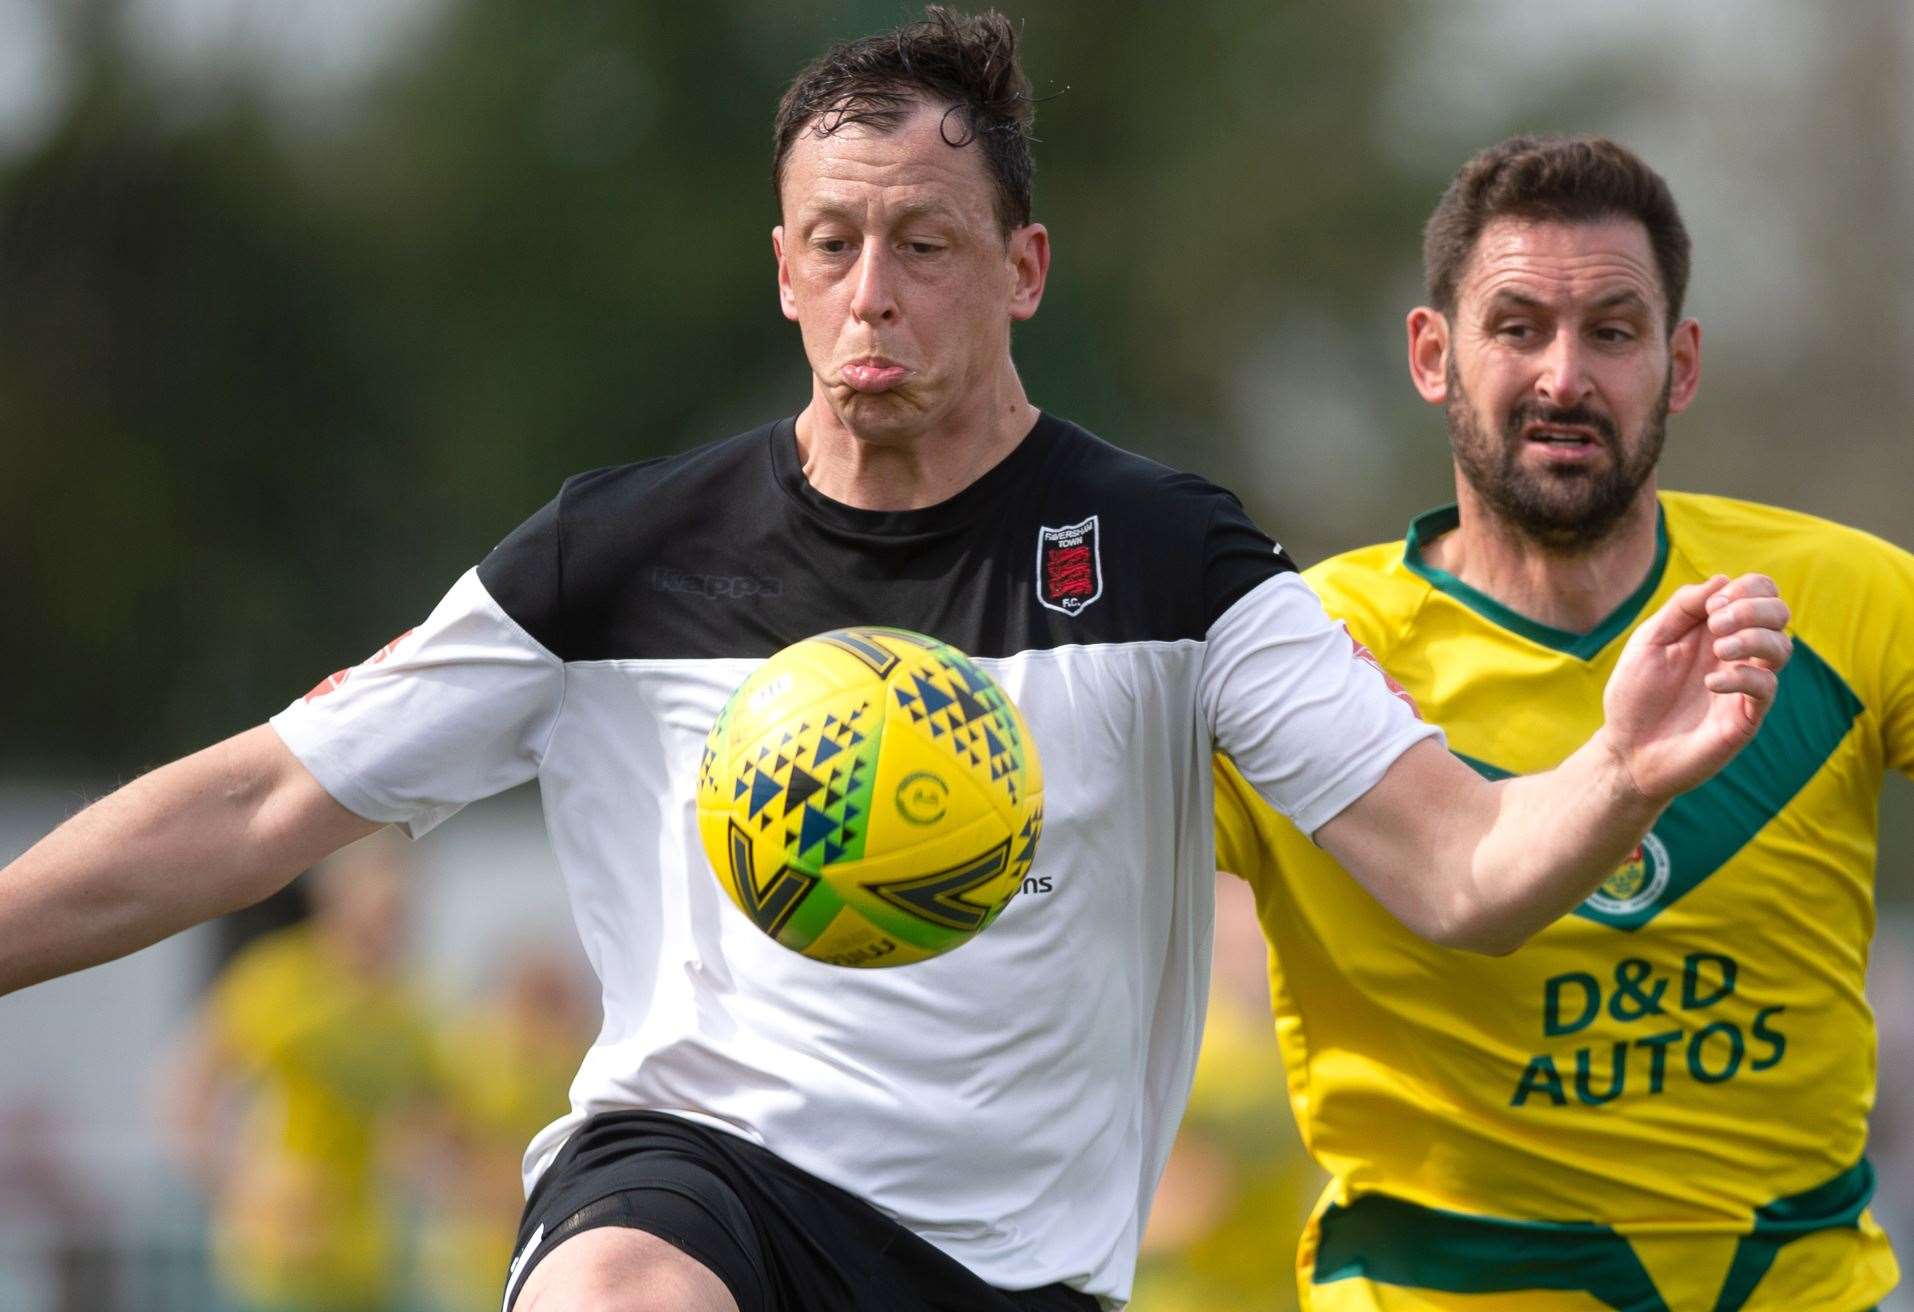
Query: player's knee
{"x":612,"y":1269}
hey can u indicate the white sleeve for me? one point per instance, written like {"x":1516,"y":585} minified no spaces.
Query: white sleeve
{"x":452,"y":711}
{"x":1291,"y":700}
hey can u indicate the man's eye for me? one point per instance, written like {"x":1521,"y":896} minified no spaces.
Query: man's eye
{"x":1516,"y":332}
{"x":832,"y":245}
{"x":922,"y":247}
{"x":1614,"y":336}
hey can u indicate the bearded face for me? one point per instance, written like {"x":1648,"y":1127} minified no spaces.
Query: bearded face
{"x":1557,"y":368}
{"x":1565,"y":506}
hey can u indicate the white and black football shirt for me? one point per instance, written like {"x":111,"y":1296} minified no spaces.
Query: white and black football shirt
{"x":1013,"y":1101}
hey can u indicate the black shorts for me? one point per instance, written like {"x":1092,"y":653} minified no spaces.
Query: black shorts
{"x":781,"y":1240}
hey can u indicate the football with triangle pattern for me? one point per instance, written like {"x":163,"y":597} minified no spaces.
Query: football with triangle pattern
{"x":869,"y":797}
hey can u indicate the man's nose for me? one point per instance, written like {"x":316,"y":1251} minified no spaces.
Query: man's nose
{"x":1563,"y":380}
{"x":873,"y":298}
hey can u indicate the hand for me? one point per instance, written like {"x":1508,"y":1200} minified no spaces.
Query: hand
{"x":1694,"y":682}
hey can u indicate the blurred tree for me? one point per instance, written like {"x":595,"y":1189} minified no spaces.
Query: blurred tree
{"x":272,"y":375}
{"x":177,"y":362}
{"x":274,"y":381}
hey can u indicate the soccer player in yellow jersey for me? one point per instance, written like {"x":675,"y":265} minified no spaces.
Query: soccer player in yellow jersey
{"x":503,"y":1067}
{"x":1661,"y":1101}
{"x":313,"y":1037}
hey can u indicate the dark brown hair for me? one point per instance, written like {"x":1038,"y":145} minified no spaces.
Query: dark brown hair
{"x":965,"y":62}
{"x":1560,"y":180}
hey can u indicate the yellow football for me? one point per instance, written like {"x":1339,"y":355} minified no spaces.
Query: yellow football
{"x":869,"y":797}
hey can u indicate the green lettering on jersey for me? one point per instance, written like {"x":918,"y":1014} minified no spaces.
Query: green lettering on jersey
{"x":1703,"y":829}
{"x":1540,"y":1077}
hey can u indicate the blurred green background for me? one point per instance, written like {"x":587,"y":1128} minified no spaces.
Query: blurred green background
{"x":305,"y":303}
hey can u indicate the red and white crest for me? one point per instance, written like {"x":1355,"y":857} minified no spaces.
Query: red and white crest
{"x":1368,"y":658}
{"x":337,"y":677}
{"x":1069,"y":566}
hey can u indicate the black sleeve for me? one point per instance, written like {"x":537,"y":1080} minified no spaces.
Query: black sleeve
{"x":1237,"y":556}
{"x":523,"y":574}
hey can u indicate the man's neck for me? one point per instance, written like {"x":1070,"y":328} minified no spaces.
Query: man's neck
{"x":1572,"y":591}
{"x":913,"y":470}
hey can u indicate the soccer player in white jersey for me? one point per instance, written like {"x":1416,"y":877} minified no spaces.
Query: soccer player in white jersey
{"x":755,"y":1130}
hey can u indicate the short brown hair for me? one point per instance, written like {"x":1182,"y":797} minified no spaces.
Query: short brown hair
{"x":967,"y":62}
{"x":1560,"y":180}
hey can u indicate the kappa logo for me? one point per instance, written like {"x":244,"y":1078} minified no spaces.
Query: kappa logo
{"x":713,"y":586}
{"x":1639,"y":881}
{"x":1069,"y":566}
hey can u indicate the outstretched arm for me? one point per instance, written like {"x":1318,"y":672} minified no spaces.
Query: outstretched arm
{"x":1480,"y":865}
{"x":208,"y":834}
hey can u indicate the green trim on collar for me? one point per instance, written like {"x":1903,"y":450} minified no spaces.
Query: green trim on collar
{"x":1432,"y":524}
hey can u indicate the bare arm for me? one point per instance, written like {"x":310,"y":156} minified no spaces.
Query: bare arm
{"x":1473,"y":864}
{"x":1469,"y":863}
{"x":208,"y":834}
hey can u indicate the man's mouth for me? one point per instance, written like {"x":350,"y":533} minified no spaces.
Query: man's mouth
{"x":873,"y":373}
{"x":1564,"y":435}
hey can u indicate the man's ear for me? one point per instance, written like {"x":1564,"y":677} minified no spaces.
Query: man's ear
{"x":1684,"y":365}
{"x":786,"y":301}
{"x":1029,"y":257}
{"x":1429,"y":354}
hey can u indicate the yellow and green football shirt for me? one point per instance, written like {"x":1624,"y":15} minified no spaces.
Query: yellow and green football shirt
{"x":301,"y":1222}
{"x":1661,"y":1101}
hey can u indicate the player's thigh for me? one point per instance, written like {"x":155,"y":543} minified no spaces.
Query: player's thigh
{"x":619,"y":1269}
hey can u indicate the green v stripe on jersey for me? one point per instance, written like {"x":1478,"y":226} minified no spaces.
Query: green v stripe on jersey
{"x":1839,"y":1202}
{"x":1392,"y":1242}
{"x":1812,"y":712}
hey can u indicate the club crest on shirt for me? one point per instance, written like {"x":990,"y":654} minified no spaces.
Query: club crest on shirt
{"x":1368,"y":658}
{"x":332,"y":681}
{"x":1636,"y":883}
{"x":1069,"y":566}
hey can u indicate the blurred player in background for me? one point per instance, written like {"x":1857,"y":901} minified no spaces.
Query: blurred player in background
{"x":505,"y":1067}
{"x":756,"y":1130}
{"x":1662,"y":1101}
{"x":309,"y":1050}
{"x":1238,"y":1185}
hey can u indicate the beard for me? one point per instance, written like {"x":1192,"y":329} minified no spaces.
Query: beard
{"x":1564,"y":509}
